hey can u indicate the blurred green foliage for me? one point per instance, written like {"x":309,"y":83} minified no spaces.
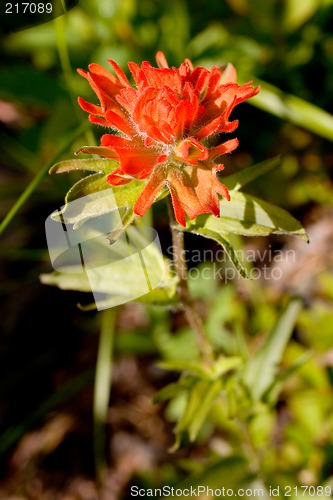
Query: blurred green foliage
{"x":246,"y":432}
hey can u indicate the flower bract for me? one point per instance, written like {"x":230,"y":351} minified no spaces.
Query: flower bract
{"x":166,"y":129}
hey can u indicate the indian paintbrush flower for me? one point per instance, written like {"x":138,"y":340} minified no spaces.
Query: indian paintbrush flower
{"x":165,"y":126}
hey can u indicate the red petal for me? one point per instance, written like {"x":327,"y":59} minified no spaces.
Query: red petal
{"x":194,"y":192}
{"x":115,"y":141}
{"x":99,"y":150}
{"x":137,"y":73}
{"x":177,"y":208}
{"x":214,"y":80}
{"x":183,"y":113}
{"x":127,"y":99}
{"x":161,"y":60}
{"x":186,"y":114}
{"x":210,"y":128}
{"x":156,"y":108}
{"x":223,"y":149}
{"x":118,"y":122}
{"x":154,"y":133}
{"x":149,"y":193}
{"x":135,"y":159}
{"x":99,"y":120}
{"x":201,"y":86}
{"x":221,"y":188}
{"x":105,"y":85}
{"x":116,"y":178}
{"x":229,"y":74}
{"x":162,"y":77}
{"x":191,"y":151}
{"x":90,"y":108}
{"x":184,"y":197}
{"x":120,"y":74}
{"x":149,"y":94}
{"x":229,"y":126}
{"x":185,"y":69}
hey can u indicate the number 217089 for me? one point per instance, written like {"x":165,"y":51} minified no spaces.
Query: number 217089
{"x":28,"y":8}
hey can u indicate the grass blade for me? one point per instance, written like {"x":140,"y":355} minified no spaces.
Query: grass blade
{"x":262,"y":367}
{"x":294,"y":109}
{"x":39,"y":177}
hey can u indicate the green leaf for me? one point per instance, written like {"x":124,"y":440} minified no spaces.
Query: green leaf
{"x":249,"y":216}
{"x":88,"y":185}
{"x":221,"y":366}
{"x":201,"y":397}
{"x":272,"y":393}
{"x":181,"y":347}
{"x":87,"y":164}
{"x":89,"y":197}
{"x":224,"y":241}
{"x":165,"y":294}
{"x":87,"y":191}
{"x":239,"y":179}
{"x":92,"y":202}
{"x":202,"y":385}
{"x":73,"y":279}
{"x":179,"y":366}
{"x":203,"y":402}
{"x":120,"y":282}
{"x":261,"y":369}
{"x":172,"y":390}
{"x":297,"y":13}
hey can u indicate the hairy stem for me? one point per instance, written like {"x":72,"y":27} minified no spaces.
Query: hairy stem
{"x":186,"y":302}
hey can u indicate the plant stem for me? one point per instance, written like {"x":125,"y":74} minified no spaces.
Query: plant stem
{"x":186,"y":302}
{"x":102,"y":390}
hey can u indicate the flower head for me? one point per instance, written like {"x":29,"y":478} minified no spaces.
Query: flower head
{"x":164,"y":127}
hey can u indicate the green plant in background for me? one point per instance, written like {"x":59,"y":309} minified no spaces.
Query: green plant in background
{"x":259,"y":412}
{"x":165,"y":126}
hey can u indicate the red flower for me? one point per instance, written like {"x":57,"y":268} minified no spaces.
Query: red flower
{"x":165,"y":125}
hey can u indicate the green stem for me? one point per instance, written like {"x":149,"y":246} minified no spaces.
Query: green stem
{"x":186,"y":302}
{"x":102,"y":390}
{"x":39,"y":177}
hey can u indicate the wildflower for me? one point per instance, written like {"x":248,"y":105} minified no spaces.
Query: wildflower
{"x":165,"y":125}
